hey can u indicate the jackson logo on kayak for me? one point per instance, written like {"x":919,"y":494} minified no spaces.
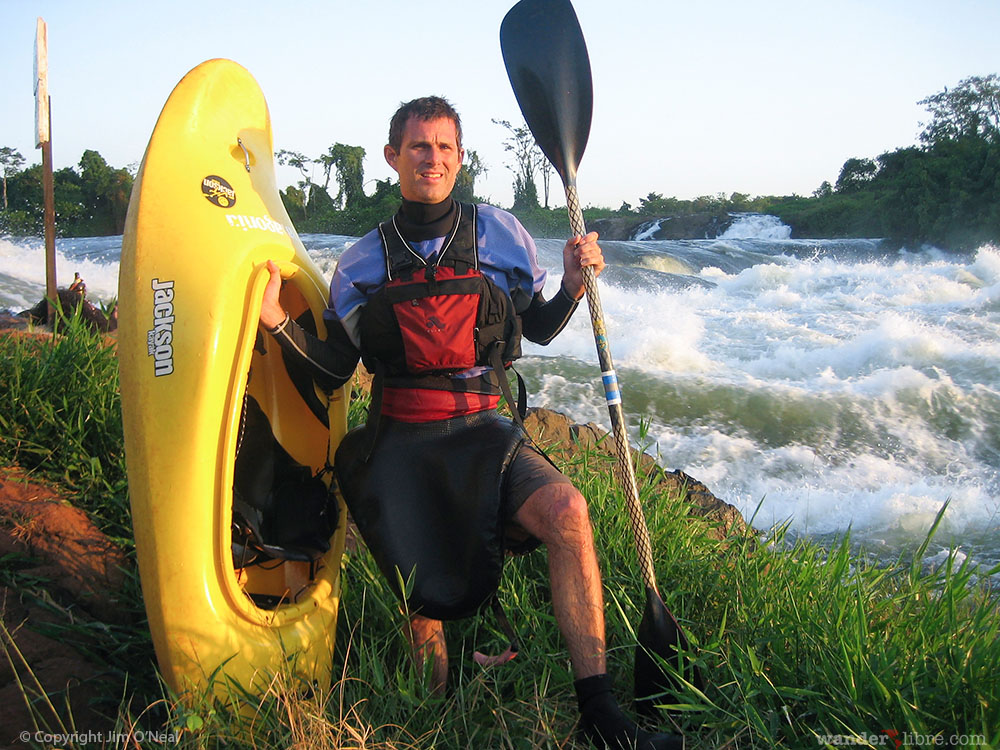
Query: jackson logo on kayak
{"x":159,"y":340}
{"x":263,"y":223}
{"x":218,"y":191}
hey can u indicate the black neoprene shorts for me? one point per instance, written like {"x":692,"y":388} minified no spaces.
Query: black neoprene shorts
{"x":528,"y":472}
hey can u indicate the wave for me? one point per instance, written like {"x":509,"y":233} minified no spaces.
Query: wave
{"x":756,"y":227}
{"x":22,"y":260}
{"x":831,"y":391}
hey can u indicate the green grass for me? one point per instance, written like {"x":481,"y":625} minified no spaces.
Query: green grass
{"x":803,"y":645}
{"x":60,"y":417}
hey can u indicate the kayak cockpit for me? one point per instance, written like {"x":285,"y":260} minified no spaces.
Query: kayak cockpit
{"x":284,"y":513}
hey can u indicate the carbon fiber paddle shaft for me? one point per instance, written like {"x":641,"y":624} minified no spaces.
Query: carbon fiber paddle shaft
{"x":612,"y":394}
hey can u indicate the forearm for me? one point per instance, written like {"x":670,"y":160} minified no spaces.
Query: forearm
{"x":331,"y":363}
{"x":544,"y":319}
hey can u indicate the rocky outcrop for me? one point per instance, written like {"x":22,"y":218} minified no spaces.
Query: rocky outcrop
{"x":69,"y":300}
{"x":686,"y":227}
{"x":616,"y":227}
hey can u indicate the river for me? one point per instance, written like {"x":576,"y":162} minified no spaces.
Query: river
{"x":826,"y":384}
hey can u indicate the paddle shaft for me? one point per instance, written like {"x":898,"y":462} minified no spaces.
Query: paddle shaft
{"x":612,"y":394}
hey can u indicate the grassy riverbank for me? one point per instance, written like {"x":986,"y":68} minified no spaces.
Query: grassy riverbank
{"x":803,"y":646}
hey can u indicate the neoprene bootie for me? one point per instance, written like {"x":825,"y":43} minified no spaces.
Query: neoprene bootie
{"x":606,"y":725}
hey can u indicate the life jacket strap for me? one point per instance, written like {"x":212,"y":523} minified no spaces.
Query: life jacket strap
{"x":518,"y":407}
{"x":374,"y":409}
{"x":512,"y":650}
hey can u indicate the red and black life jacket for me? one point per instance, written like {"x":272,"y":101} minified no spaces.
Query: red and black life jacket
{"x":439,"y":316}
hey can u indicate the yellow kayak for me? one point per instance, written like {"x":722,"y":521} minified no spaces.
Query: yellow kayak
{"x":199,"y":385}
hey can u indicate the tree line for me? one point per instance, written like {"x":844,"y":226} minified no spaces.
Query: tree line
{"x":91,"y":200}
{"x":945,"y":191}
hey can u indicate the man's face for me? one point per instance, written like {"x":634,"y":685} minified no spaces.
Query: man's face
{"x":428,"y":159}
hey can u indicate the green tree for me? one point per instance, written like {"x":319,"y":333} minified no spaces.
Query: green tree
{"x":528,"y":159}
{"x":710,"y":203}
{"x":739,"y":202}
{"x":301,"y":162}
{"x":465,"y":183}
{"x":106,"y":193}
{"x":294,"y":199}
{"x":326,"y":162}
{"x":348,"y":161}
{"x":24,"y":213}
{"x":824,"y":190}
{"x":855,"y":174}
{"x":90,"y":200}
{"x":76,"y":212}
{"x":11,"y":161}
{"x":654,"y":204}
{"x":971,"y":109}
{"x":546,"y":169}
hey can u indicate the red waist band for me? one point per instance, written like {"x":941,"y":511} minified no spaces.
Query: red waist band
{"x":428,"y":405}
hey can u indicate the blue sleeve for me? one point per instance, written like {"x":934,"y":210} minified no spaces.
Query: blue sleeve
{"x":360,"y":272}
{"x":508,"y":255}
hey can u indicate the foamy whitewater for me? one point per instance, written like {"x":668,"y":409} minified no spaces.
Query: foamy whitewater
{"x":829,"y":384}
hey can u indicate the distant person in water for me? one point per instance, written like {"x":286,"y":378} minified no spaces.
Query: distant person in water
{"x":405,"y":299}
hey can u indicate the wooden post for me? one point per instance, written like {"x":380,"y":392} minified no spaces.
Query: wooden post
{"x":43,"y":128}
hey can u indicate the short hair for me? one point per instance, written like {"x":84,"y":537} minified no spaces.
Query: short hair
{"x":424,"y":108}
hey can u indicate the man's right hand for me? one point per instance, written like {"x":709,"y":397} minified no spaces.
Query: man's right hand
{"x":272,"y":314}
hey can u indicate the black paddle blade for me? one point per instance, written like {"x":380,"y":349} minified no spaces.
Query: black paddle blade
{"x":549,"y":69}
{"x":659,"y":634}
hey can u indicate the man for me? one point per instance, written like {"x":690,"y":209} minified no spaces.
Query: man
{"x":538,"y":502}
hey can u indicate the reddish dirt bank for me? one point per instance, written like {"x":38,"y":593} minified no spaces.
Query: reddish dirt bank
{"x":80,"y":572}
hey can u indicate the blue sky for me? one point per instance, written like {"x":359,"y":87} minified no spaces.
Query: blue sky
{"x":767,"y":97}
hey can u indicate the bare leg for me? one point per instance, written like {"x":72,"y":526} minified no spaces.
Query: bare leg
{"x":426,"y":639}
{"x":556,"y":514}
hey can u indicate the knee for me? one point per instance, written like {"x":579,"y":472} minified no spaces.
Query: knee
{"x":563,"y":517}
{"x":571,"y":509}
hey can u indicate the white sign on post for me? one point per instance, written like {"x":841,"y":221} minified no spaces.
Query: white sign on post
{"x":41,"y":84}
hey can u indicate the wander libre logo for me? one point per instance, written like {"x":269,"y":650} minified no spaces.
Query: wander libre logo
{"x":894,"y":739}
